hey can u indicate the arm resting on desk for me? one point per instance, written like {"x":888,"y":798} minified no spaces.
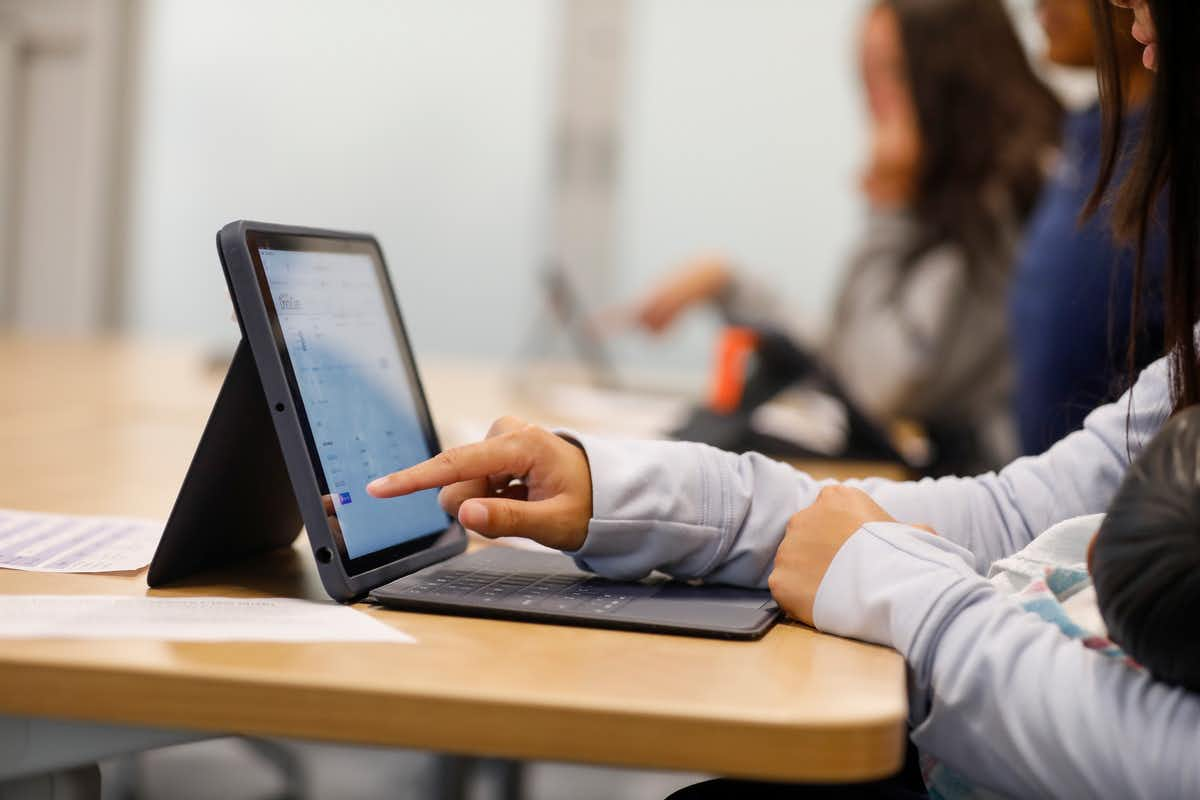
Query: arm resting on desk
{"x":996,"y":692}
{"x":694,"y":511}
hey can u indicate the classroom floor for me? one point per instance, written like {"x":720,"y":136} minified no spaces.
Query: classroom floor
{"x":229,"y":769}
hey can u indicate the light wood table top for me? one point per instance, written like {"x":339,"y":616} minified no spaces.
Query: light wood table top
{"x":110,"y":428}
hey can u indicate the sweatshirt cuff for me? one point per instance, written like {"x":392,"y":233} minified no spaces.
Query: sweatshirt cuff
{"x":654,"y":503}
{"x":892,"y":584}
{"x":897,"y":586}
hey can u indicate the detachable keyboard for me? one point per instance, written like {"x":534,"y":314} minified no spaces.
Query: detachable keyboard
{"x":548,"y":587}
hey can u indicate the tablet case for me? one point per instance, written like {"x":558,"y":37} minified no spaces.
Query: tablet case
{"x":237,"y":499}
{"x":252,"y":480}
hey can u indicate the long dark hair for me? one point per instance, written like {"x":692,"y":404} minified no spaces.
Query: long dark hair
{"x":987,"y":122}
{"x":1166,"y":160}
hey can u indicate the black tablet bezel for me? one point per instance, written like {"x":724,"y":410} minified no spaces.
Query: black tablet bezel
{"x":256,"y":240}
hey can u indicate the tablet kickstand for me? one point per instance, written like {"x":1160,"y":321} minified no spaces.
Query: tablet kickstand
{"x":236,"y":500}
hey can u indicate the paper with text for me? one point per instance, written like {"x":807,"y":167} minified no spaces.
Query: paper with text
{"x":188,"y":619}
{"x":61,"y":543}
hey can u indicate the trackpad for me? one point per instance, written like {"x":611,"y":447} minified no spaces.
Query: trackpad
{"x":726,"y":595}
{"x":720,"y":606}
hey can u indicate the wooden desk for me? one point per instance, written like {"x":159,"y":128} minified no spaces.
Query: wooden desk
{"x":110,"y":427}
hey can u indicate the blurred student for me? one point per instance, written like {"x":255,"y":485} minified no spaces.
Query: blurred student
{"x":961,"y":130}
{"x":1072,"y":299}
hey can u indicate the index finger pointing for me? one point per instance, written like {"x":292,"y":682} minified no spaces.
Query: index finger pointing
{"x":501,"y":454}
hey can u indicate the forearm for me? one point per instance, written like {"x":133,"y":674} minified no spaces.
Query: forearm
{"x":687,"y":509}
{"x":998,"y":694}
{"x":695,"y":511}
{"x":997,"y":514}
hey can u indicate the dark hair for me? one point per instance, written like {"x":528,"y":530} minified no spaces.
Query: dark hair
{"x":1146,"y":560}
{"x":987,"y":122}
{"x":1166,"y":159}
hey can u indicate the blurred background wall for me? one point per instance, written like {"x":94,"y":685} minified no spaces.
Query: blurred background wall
{"x":437,"y":125}
{"x":743,"y":135}
{"x":423,"y":121}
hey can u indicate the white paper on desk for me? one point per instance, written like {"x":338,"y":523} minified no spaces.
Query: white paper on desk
{"x":61,"y":543}
{"x":188,"y":619}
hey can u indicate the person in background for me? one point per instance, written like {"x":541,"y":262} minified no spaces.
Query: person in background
{"x":1072,"y":297}
{"x":1005,"y":700}
{"x":962,"y":131}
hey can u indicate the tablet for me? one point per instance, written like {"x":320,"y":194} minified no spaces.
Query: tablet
{"x":323,"y":396}
{"x":319,"y":313}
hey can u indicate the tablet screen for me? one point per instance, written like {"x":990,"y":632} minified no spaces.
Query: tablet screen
{"x":353,"y":372}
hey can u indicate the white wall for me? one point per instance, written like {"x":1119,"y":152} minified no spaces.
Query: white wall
{"x":423,"y":121}
{"x":744,"y":136}
{"x":427,"y":122}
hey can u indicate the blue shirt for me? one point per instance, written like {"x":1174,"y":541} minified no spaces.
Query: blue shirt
{"x":1071,"y":299}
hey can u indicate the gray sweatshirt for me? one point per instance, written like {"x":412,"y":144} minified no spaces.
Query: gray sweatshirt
{"x":996,"y":693}
{"x":927,"y":342}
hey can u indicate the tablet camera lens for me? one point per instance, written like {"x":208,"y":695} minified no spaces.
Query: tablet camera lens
{"x":324,"y":555}
{"x":279,"y":406}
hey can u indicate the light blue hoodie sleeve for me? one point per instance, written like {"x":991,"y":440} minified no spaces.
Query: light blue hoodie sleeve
{"x":995,"y":692}
{"x":694,"y":511}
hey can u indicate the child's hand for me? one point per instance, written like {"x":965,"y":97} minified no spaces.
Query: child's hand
{"x":551,"y":501}
{"x":813,"y":538}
